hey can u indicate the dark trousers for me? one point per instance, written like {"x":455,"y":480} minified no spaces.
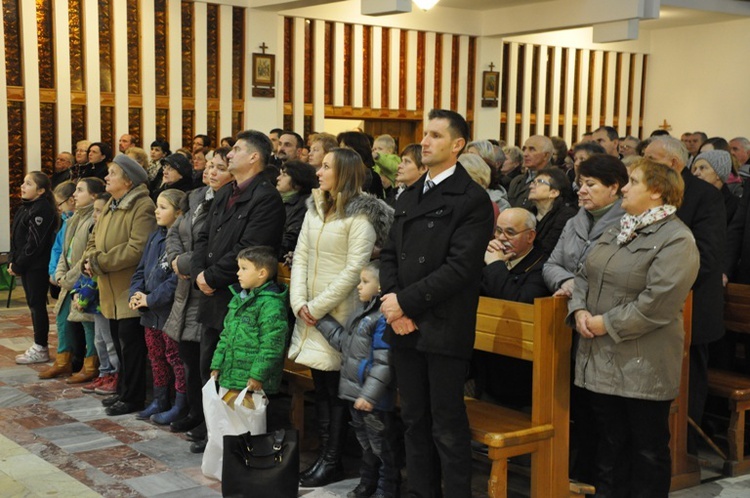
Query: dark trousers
{"x":633,"y":457}
{"x":327,"y":387}
{"x":35,"y":285}
{"x":376,"y":433}
{"x":697,"y":390}
{"x":209,"y":341}
{"x":130,"y":343}
{"x":190,"y":353}
{"x":438,"y":438}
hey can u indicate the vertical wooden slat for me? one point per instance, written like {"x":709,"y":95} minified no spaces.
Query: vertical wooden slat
{"x":569,"y":96}
{"x":583,"y":100}
{"x":31,"y":103}
{"x":347,"y":83}
{"x":597,"y":89}
{"x":152,"y":82}
{"x":289,"y":58}
{"x":463,"y":74}
{"x":455,"y":65}
{"x":430,"y":62}
{"x":367,"y":66}
{"x":402,"y":58}
{"x":319,"y":74}
{"x":175,"y":48}
{"x":328,"y":63}
{"x":421,"y":56}
{"x":377,"y":67}
{"x":200,"y":111}
{"x":309,"y":60}
{"x":226,"y":23}
{"x":556,"y":90}
{"x":437,"y":75}
{"x":472,"y":70}
{"x":63,"y":79}
{"x":298,"y":69}
{"x":611,"y":73}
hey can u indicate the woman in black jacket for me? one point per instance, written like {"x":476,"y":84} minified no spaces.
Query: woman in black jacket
{"x":177,"y":173}
{"x":32,"y":236}
{"x":100,"y":155}
{"x":295,"y":183}
{"x":551,"y":195}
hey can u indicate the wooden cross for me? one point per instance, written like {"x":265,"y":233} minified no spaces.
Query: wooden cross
{"x":665,"y":126}
{"x":492,"y":66}
{"x":263,"y":47}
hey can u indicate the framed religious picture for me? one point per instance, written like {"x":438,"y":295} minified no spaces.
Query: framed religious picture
{"x":490,"y":88}
{"x":264,"y":75}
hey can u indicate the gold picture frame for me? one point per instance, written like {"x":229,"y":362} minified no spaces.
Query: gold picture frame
{"x":490,"y":88}
{"x":264,"y":75}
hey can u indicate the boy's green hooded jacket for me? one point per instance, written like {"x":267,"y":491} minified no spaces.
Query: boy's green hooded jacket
{"x":252,"y":343}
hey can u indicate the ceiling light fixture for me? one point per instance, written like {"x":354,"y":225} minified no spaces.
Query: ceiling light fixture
{"x":426,"y":4}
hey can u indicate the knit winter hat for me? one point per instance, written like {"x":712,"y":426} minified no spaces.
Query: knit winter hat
{"x":719,"y":160}
{"x":387,"y":165}
{"x":181,"y":164}
{"x":134,"y":171}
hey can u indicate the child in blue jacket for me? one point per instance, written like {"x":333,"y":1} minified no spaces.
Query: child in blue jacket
{"x":367,"y":383}
{"x":152,"y":293}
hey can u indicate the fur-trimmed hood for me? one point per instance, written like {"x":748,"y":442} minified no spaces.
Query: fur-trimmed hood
{"x":377,"y":211}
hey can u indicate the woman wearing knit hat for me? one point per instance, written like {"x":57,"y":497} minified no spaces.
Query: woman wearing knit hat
{"x":714,"y":167}
{"x":177,"y":173}
{"x":119,"y":239}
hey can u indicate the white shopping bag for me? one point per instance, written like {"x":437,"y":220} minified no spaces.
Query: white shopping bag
{"x":221,"y":420}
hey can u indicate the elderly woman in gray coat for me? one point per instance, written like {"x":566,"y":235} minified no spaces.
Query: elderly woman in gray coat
{"x":182,"y":324}
{"x":627,"y":307}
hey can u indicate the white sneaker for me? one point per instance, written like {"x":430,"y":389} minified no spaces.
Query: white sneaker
{"x":35,"y":354}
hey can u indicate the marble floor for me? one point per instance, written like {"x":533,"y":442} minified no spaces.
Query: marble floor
{"x":57,"y":441}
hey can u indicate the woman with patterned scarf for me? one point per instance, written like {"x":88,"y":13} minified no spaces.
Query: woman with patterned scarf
{"x":627,"y":308}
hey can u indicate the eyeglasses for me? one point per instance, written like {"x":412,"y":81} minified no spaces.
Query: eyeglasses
{"x":509,"y":233}
{"x":63,"y":202}
{"x":541,"y":181}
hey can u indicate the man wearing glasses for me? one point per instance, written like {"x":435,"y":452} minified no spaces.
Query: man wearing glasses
{"x":514,"y":265}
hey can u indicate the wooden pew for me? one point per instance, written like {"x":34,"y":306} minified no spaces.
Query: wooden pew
{"x":686,"y":472}
{"x":734,"y":386}
{"x":535,"y":333}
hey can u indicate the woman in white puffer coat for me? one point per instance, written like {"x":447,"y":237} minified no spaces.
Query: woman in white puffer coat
{"x":342,"y":227}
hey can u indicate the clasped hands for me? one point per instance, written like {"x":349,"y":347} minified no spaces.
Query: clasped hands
{"x":138,"y":300}
{"x":394,"y":315}
{"x":589,"y":326}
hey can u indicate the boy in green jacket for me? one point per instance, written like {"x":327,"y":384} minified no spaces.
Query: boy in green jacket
{"x":250,"y":352}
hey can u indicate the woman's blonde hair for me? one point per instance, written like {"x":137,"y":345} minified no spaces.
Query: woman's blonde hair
{"x":174,"y":198}
{"x":663,"y":180}
{"x":349,"y":173}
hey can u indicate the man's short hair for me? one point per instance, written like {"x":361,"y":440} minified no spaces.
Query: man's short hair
{"x":743,"y":141}
{"x":456,"y":123}
{"x":259,"y":141}
{"x":674,"y":148}
{"x":701,"y":134}
{"x":388,"y":142}
{"x":610,"y":131}
{"x":660,"y":133}
{"x":262,"y":257}
{"x":590,"y":147}
{"x":300,"y":140}
{"x":277,"y":131}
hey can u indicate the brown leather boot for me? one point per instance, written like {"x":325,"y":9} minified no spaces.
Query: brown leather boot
{"x":88,"y":372}
{"x":63,"y":365}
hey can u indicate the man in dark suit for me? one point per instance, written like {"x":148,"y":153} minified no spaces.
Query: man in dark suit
{"x":703,"y":212}
{"x":430,"y":272}
{"x":246,"y":212}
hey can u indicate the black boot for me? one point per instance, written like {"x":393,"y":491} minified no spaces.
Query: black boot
{"x":331,"y":469}
{"x":323,"y":418}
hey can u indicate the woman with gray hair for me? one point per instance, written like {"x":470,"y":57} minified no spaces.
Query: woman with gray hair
{"x":480,"y":173}
{"x":512,"y":166}
{"x":714,"y":167}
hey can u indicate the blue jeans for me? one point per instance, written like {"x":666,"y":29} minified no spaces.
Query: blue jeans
{"x":105,"y":347}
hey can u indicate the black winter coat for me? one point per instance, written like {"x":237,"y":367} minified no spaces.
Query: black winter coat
{"x":738,"y":241}
{"x":433,"y":261}
{"x":549,"y":228}
{"x":703,"y":212}
{"x":523,"y":283}
{"x":255,"y":219}
{"x":32,"y":235}
{"x":296,"y":207}
{"x":97,"y":170}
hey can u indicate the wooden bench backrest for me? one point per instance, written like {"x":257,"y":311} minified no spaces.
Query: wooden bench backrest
{"x":284,"y":274}
{"x":535,"y":333}
{"x":737,"y":308}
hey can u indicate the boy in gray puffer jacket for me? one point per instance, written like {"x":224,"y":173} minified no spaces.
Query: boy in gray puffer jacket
{"x":367,"y":383}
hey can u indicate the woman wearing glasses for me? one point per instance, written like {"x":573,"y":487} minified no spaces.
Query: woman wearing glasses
{"x":551,"y":194}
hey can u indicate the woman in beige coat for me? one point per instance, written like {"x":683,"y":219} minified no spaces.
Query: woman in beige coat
{"x":112,"y":256}
{"x":627,"y":307}
{"x":66,"y":275}
{"x":340,"y":230}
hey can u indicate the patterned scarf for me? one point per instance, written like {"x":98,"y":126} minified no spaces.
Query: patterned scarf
{"x":630,"y":223}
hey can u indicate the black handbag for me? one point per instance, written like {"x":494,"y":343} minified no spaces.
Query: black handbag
{"x":261,"y":466}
